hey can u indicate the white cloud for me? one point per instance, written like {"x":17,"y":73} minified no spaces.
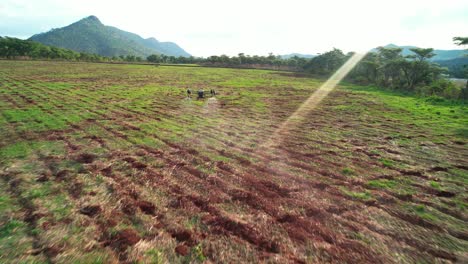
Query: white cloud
{"x":207,"y":27}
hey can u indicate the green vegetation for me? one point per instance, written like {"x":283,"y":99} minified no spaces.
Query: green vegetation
{"x":10,"y":227}
{"x":461,"y":40}
{"x":366,"y":195}
{"x":422,"y":212}
{"x":456,"y":67}
{"x":17,"y":150}
{"x":387,"y":67}
{"x":347,"y":171}
{"x":23,"y":149}
{"x":386,"y":162}
{"x":11,"y":48}
{"x":421,"y":112}
{"x":435,"y":185}
{"x":382,"y":184}
{"x":197,"y":253}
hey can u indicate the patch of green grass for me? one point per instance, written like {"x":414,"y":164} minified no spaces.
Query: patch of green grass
{"x":155,"y":256}
{"x":347,"y":171}
{"x":197,"y":253}
{"x":10,"y":227}
{"x":382,"y":183}
{"x":386,"y":162}
{"x":361,"y":195}
{"x":60,"y":206}
{"x":22,"y":149}
{"x":221,"y":158}
{"x":458,"y":175}
{"x":461,"y":205}
{"x":37,"y":193}
{"x":22,"y":115}
{"x":35,"y":119}
{"x":422,"y":212}
{"x":366,"y":195}
{"x":5,"y":202}
{"x":16,"y":151}
{"x":463,"y":132}
{"x":15,"y":243}
{"x":435,"y":185}
{"x":35,"y":231}
{"x":410,"y":109}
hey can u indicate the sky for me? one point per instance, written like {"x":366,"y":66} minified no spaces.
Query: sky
{"x":255,"y":27}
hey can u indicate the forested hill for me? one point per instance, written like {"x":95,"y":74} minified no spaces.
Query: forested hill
{"x":91,"y":36}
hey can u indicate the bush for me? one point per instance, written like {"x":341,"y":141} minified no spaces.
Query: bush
{"x":435,"y":99}
{"x":452,"y":92}
{"x":441,"y":88}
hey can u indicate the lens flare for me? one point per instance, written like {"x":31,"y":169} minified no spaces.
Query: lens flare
{"x":300,"y":114}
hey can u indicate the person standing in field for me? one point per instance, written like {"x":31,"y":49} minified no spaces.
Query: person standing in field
{"x":212,"y":92}
{"x":189,"y":93}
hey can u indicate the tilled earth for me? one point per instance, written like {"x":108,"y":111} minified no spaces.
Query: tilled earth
{"x":113,"y":163}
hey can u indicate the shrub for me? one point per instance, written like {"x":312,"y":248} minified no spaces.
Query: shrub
{"x":442,"y":88}
{"x":435,"y":99}
{"x":452,"y":92}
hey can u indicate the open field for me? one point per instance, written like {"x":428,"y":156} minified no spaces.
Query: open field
{"x":105,"y":163}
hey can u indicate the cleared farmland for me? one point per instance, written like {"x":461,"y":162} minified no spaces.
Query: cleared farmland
{"x":110,"y":163}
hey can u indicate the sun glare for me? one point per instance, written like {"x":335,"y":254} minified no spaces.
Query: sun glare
{"x":311,"y":103}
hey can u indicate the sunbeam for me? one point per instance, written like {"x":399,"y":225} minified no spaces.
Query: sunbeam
{"x":299,"y":115}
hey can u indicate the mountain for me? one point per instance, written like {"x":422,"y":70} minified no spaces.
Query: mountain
{"x":440,"y":54}
{"x":288,"y":56}
{"x":91,"y":36}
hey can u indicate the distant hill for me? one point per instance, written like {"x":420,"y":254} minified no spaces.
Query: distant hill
{"x":91,"y":36}
{"x":288,"y":56}
{"x":440,"y":54}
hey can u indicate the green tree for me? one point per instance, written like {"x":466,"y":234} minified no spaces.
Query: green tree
{"x":463,"y":41}
{"x":460,"y":40}
{"x":423,"y":54}
{"x":326,"y":63}
{"x":390,"y":61}
{"x":416,"y":69}
{"x":155,"y":58}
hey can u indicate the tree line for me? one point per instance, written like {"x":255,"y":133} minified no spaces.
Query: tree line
{"x":385,"y":67}
{"x":241,"y":60}
{"x":13,"y":48}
